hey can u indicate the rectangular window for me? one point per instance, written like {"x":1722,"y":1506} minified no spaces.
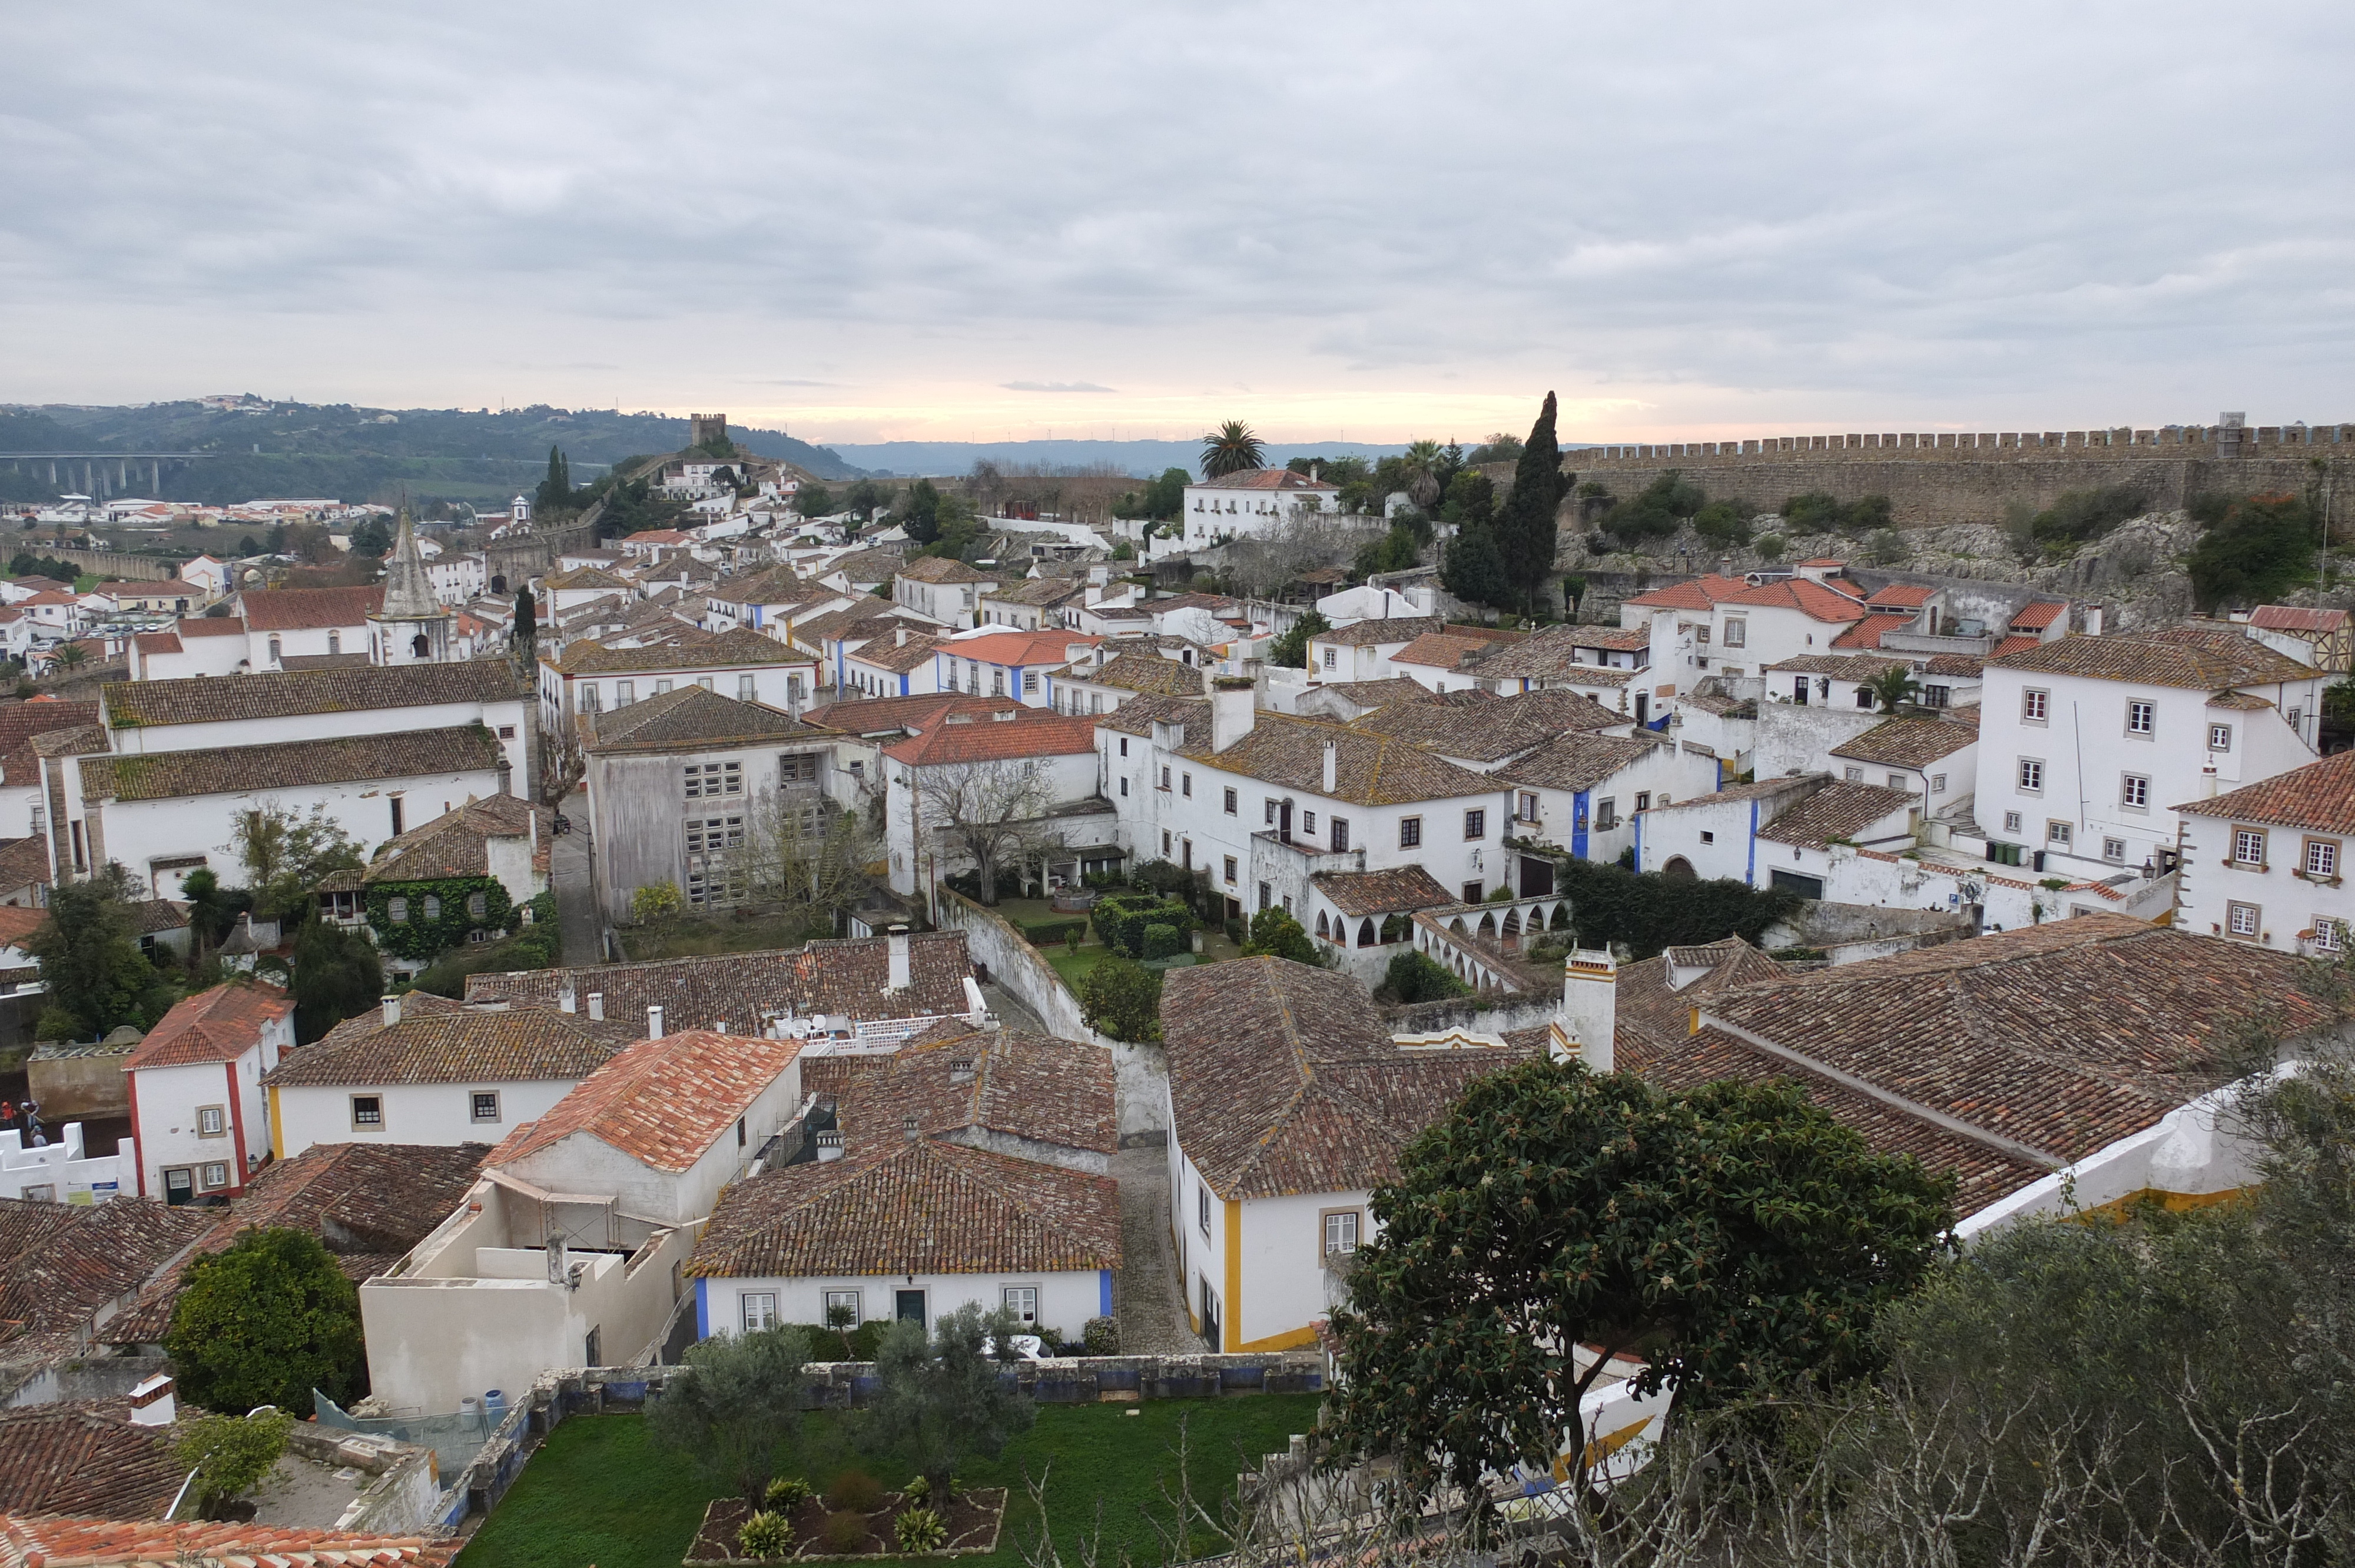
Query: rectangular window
{"x":2240,"y":919}
{"x":843,"y":1306}
{"x":212,"y":1121}
{"x":2057,"y":833}
{"x":759,"y":1309}
{"x":1269,"y":811}
{"x":1938,"y":697}
{"x":1606,"y":815}
{"x":661,"y":686}
{"x":1476,"y":825}
{"x":2114,"y":851}
{"x":1409,"y":833}
{"x":2134,"y":790}
{"x":1124,"y":789}
{"x":1864,"y":698}
{"x":624,"y":692}
{"x":1202,"y":1206}
{"x":1165,"y":777}
{"x":213,"y":1175}
{"x":2011,"y":822}
{"x":2220,"y":737}
{"x":1853,"y":775}
{"x":710,"y":780}
{"x":2031,"y":776}
{"x":1185,"y":785}
{"x":1473,"y":891}
{"x":2248,"y":846}
{"x":1643,"y":800}
{"x":1022,"y":1301}
{"x":1308,"y":823}
{"x":1937,"y":783}
{"x":745,"y":689}
{"x":1339,"y":827}
{"x":1737,"y":632}
{"x":1165,"y":841}
{"x":368,"y":1111}
{"x":1700,"y":635}
{"x":2330,"y":937}
{"x":1340,"y":1232}
{"x":1029,"y":683}
{"x":2141,"y":717}
{"x":1230,"y":802}
{"x":997,"y":681}
{"x":486,"y":1105}
{"x":1230,"y":868}
{"x":704,"y":680}
{"x":1123,"y":745}
{"x":1528,"y":813}
{"x":1331,"y":658}
{"x":1897,"y":781}
{"x":2321,"y":858}
{"x":2035,"y":706}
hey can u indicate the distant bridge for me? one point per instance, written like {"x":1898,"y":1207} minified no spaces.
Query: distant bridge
{"x":94,"y":471}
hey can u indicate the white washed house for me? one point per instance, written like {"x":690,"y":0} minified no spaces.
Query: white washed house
{"x":2266,"y":864}
{"x":197,"y":1108}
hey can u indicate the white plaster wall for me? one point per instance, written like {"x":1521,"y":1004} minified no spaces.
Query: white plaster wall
{"x":1666,"y":834}
{"x":1066,"y":1300}
{"x":1285,"y":1287}
{"x":438,"y":1115}
{"x":2288,"y":903}
{"x":167,"y":1102}
{"x":508,"y":716}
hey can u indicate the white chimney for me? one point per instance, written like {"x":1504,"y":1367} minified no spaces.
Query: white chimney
{"x":567,"y":1000}
{"x":895,"y":942}
{"x":2092,"y":620}
{"x":391,"y":1009}
{"x":152,"y":1403}
{"x":1589,"y":1021}
{"x":1234,"y":708}
{"x":1332,"y":767}
{"x":654,"y":1022}
{"x":597,"y":1006}
{"x":829,"y":1144}
{"x":2207,"y":782}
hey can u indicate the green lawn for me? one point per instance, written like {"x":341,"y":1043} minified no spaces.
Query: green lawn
{"x":600,"y":1492}
{"x":695,"y":935}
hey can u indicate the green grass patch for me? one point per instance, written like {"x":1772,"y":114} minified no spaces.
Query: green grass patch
{"x":1073,"y":967}
{"x":600,"y":1491}
{"x":694,"y":936}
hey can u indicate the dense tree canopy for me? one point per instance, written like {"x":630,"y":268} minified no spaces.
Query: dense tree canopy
{"x":265,"y":1322}
{"x":96,"y":977}
{"x":739,"y":1409}
{"x":1735,"y":1236}
{"x":2250,"y":550}
{"x":1525,"y":527}
{"x":1291,"y":648}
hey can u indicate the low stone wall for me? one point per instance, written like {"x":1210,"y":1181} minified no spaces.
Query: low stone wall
{"x":405,"y":1497}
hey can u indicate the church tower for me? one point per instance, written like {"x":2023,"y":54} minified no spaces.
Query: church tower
{"x":413,"y":627}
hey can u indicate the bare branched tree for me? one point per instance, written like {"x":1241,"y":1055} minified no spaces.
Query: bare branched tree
{"x":562,"y":766}
{"x":992,"y":811}
{"x":808,"y":855}
{"x":1302,"y":542}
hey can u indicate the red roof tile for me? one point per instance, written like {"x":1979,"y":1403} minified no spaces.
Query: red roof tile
{"x":1866,"y":634}
{"x":662,"y":1101}
{"x":217,"y":1025}
{"x":2318,"y":797}
{"x":55,"y":1541}
{"x":1894,"y":596}
{"x":2036,"y":617}
{"x":1030,"y":732}
{"x":305,"y":609}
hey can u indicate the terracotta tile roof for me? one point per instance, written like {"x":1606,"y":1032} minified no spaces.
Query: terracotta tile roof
{"x":901,"y":652}
{"x":1550,"y":654}
{"x":1908,"y":742}
{"x":885,"y":716}
{"x":1575,"y":762}
{"x":1372,"y":768}
{"x":1493,"y":730}
{"x":471,"y":1045}
{"x":1022,"y":648}
{"x":1139,"y":715}
{"x":866,"y":565}
{"x":85,"y":1457}
{"x":662,"y":1101}
{"x":153,"y":642}
{"x":1622,"y":638}
{"x":941,"y":570}
{"x":1377,"y":694}
{"x":1147,"y":672}
{"x":958,"y":1083}
{"x":216,"y":625}
{"x":585,"y":577}
{"x":308,"y":610}
{"x":857,"y":623}
{"x":2239,"y":702}
{"x":2040,"y":614}
{"x":2318,"y":798}
{"x":1284,"y":1079}
{"x":2011,"y":645}
{"x":79,"y":741}
{"x":457,"y":842}
{"x":23,"y":862}
{"x":1218,"y":604}
{"x":690,"y":716}
{"x":21,"y":721}
{"x":1866,"y":634}
{"x":290,"y":764}
{"x":1897,"y":595}
{"x":845,"y":977}
{"x":2297,"y":618}
{"x":1441,"y":651}
{"x":1837,"y":810}
{"x":217,"y":1025}
{"x":1264,"y":479}
{"x":920,"y":1207}
{"x":738,"y":646}
{"x":1954,"y":665}
{"x":18,"y":922}
{"x":1039,"y":593}
{"x":1400,"y":890}
{"x":66,"y":1268}
{"x":225,"y":698}
{"x":2171,"y":656}
{"x":1029,"y":732}
{"x":1372,"y":633}
{"x":2047,"y":1043}
{"x":57,"y":1541}
{"x":1812,"y":598}
{"x":367,"y":1202}
{"x":1652,"y":1020}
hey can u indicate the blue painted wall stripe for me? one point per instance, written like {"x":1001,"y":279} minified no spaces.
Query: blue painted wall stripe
{"x":702,"y":1308}
{"x":1578,"y":823}
{"x":1750,"y":871}
{"x":1104,"y":1292}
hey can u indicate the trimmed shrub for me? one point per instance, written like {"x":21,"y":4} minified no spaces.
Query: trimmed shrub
{"x":1101,"y":1337}
{"x":1121,"y":920}
{"x":787,"y":1493}
{"x":1122,"y":998}
{"x":765,"y":1534}
{"x":1045,"y":933}
{"x":1412,"y":978}
{"x":919,"y":1529}
{"x":843,"y":1533}
{"x":854,"y":1491}
{"x":1165,"y":942}
{"x":1650,"y":912}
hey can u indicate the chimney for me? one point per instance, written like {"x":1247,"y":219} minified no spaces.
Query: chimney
{"x":895,"y":942}
{"x":908,"y":1129}
{"x":654,"y":1022}
{"x":152,"y":1403}
{"x":557,"y":1269}
{"x":2207,"y":782}
{"x":829,"y":1144}
{"x":567,"y":1000}
{"x":597,"y":1007}
{"x":2092,"y":620}
{"x":1234,"y":708}
{"x":391,"y":1009}
{"x":1332,"y":766}
{"x":1589,"y":1019}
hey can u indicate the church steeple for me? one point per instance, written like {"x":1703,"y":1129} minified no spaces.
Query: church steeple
{"x":413,"y":627}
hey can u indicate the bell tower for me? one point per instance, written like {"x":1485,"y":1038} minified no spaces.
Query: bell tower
{"x":413,"y":627}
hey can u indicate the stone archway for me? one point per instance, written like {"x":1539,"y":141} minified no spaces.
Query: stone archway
{"x":1678,"y":869}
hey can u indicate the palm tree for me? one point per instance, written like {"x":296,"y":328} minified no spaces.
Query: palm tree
{"x":1421,"y":466}
{"x":1231,"y":448}
{"x":1891,"y":686}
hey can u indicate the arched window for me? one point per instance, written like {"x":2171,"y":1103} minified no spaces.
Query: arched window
{"x":433,"y":906}
{"x":499,"y":584}
{"x":419,"y":646}
{"x":1322,"y":929}
{"x":1366,"y":932}
{"x":335,"y":642}
{"x":1678,"y":868}
{"x":277,"y":651}
{"x":396,"y":908}
{"x":478,"y":905}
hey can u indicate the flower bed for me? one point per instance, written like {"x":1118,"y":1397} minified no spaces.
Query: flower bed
{"x":973,"y":1519}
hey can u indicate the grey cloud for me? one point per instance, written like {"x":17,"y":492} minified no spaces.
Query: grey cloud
{"x":1054,"y":386}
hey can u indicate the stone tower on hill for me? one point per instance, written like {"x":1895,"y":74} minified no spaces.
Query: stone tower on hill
{"x":413,"y":627}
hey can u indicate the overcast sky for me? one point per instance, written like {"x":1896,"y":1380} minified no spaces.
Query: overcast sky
{"x":949,"y":221}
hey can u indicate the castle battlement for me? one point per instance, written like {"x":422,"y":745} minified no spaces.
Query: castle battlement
{"x":2219,"y":440}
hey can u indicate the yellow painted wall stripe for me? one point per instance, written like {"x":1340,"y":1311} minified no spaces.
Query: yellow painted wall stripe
{"x":1292,"y":1339}
{"x":277,"y":1127}
{"x":1231,"y":1330}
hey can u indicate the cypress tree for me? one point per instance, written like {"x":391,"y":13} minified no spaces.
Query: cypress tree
{"x":526,"y":620}
{"x":1525,"y":524}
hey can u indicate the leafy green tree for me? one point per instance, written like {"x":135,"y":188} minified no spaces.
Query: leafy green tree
{"x":526,"y":622}
{"x":2250,"y":550}
{"x":1412,"y":977}
{"x":1161,"y":500}
{"x":864,"y":496}
{"x":1474,"y":568}
{"x":372,"y":539}
{"x":247,"y":547}
{"x":940,"y":1402}
{"x":1122,"y":998}
{"x":1502,"y":446}
{"x":95,"y":975}
{"x":919,"y":512}
{"x":1275,"y":934}
{"x":285,"y":856}
{"x":1525,"y":526}
{"x":337,"y":975}
{"x":212,"y":909}
{"x":740,"y":1411}
{"x":1723,"y":522}
{"x":231,"y":1454}
{"x":1656,"y":511}
{"x":2077,"y":516}
{"x":265,"y":1322}
{"x":1290,"y":649}
{"x":556,"y":489}
{"x":1470,"y":498}
{"x":1738,"y":1235}
{"x":813,"y":500}
{"x":1393,"y":552}
{"x":1893,"y":687}
{"x":1231,"y":449}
